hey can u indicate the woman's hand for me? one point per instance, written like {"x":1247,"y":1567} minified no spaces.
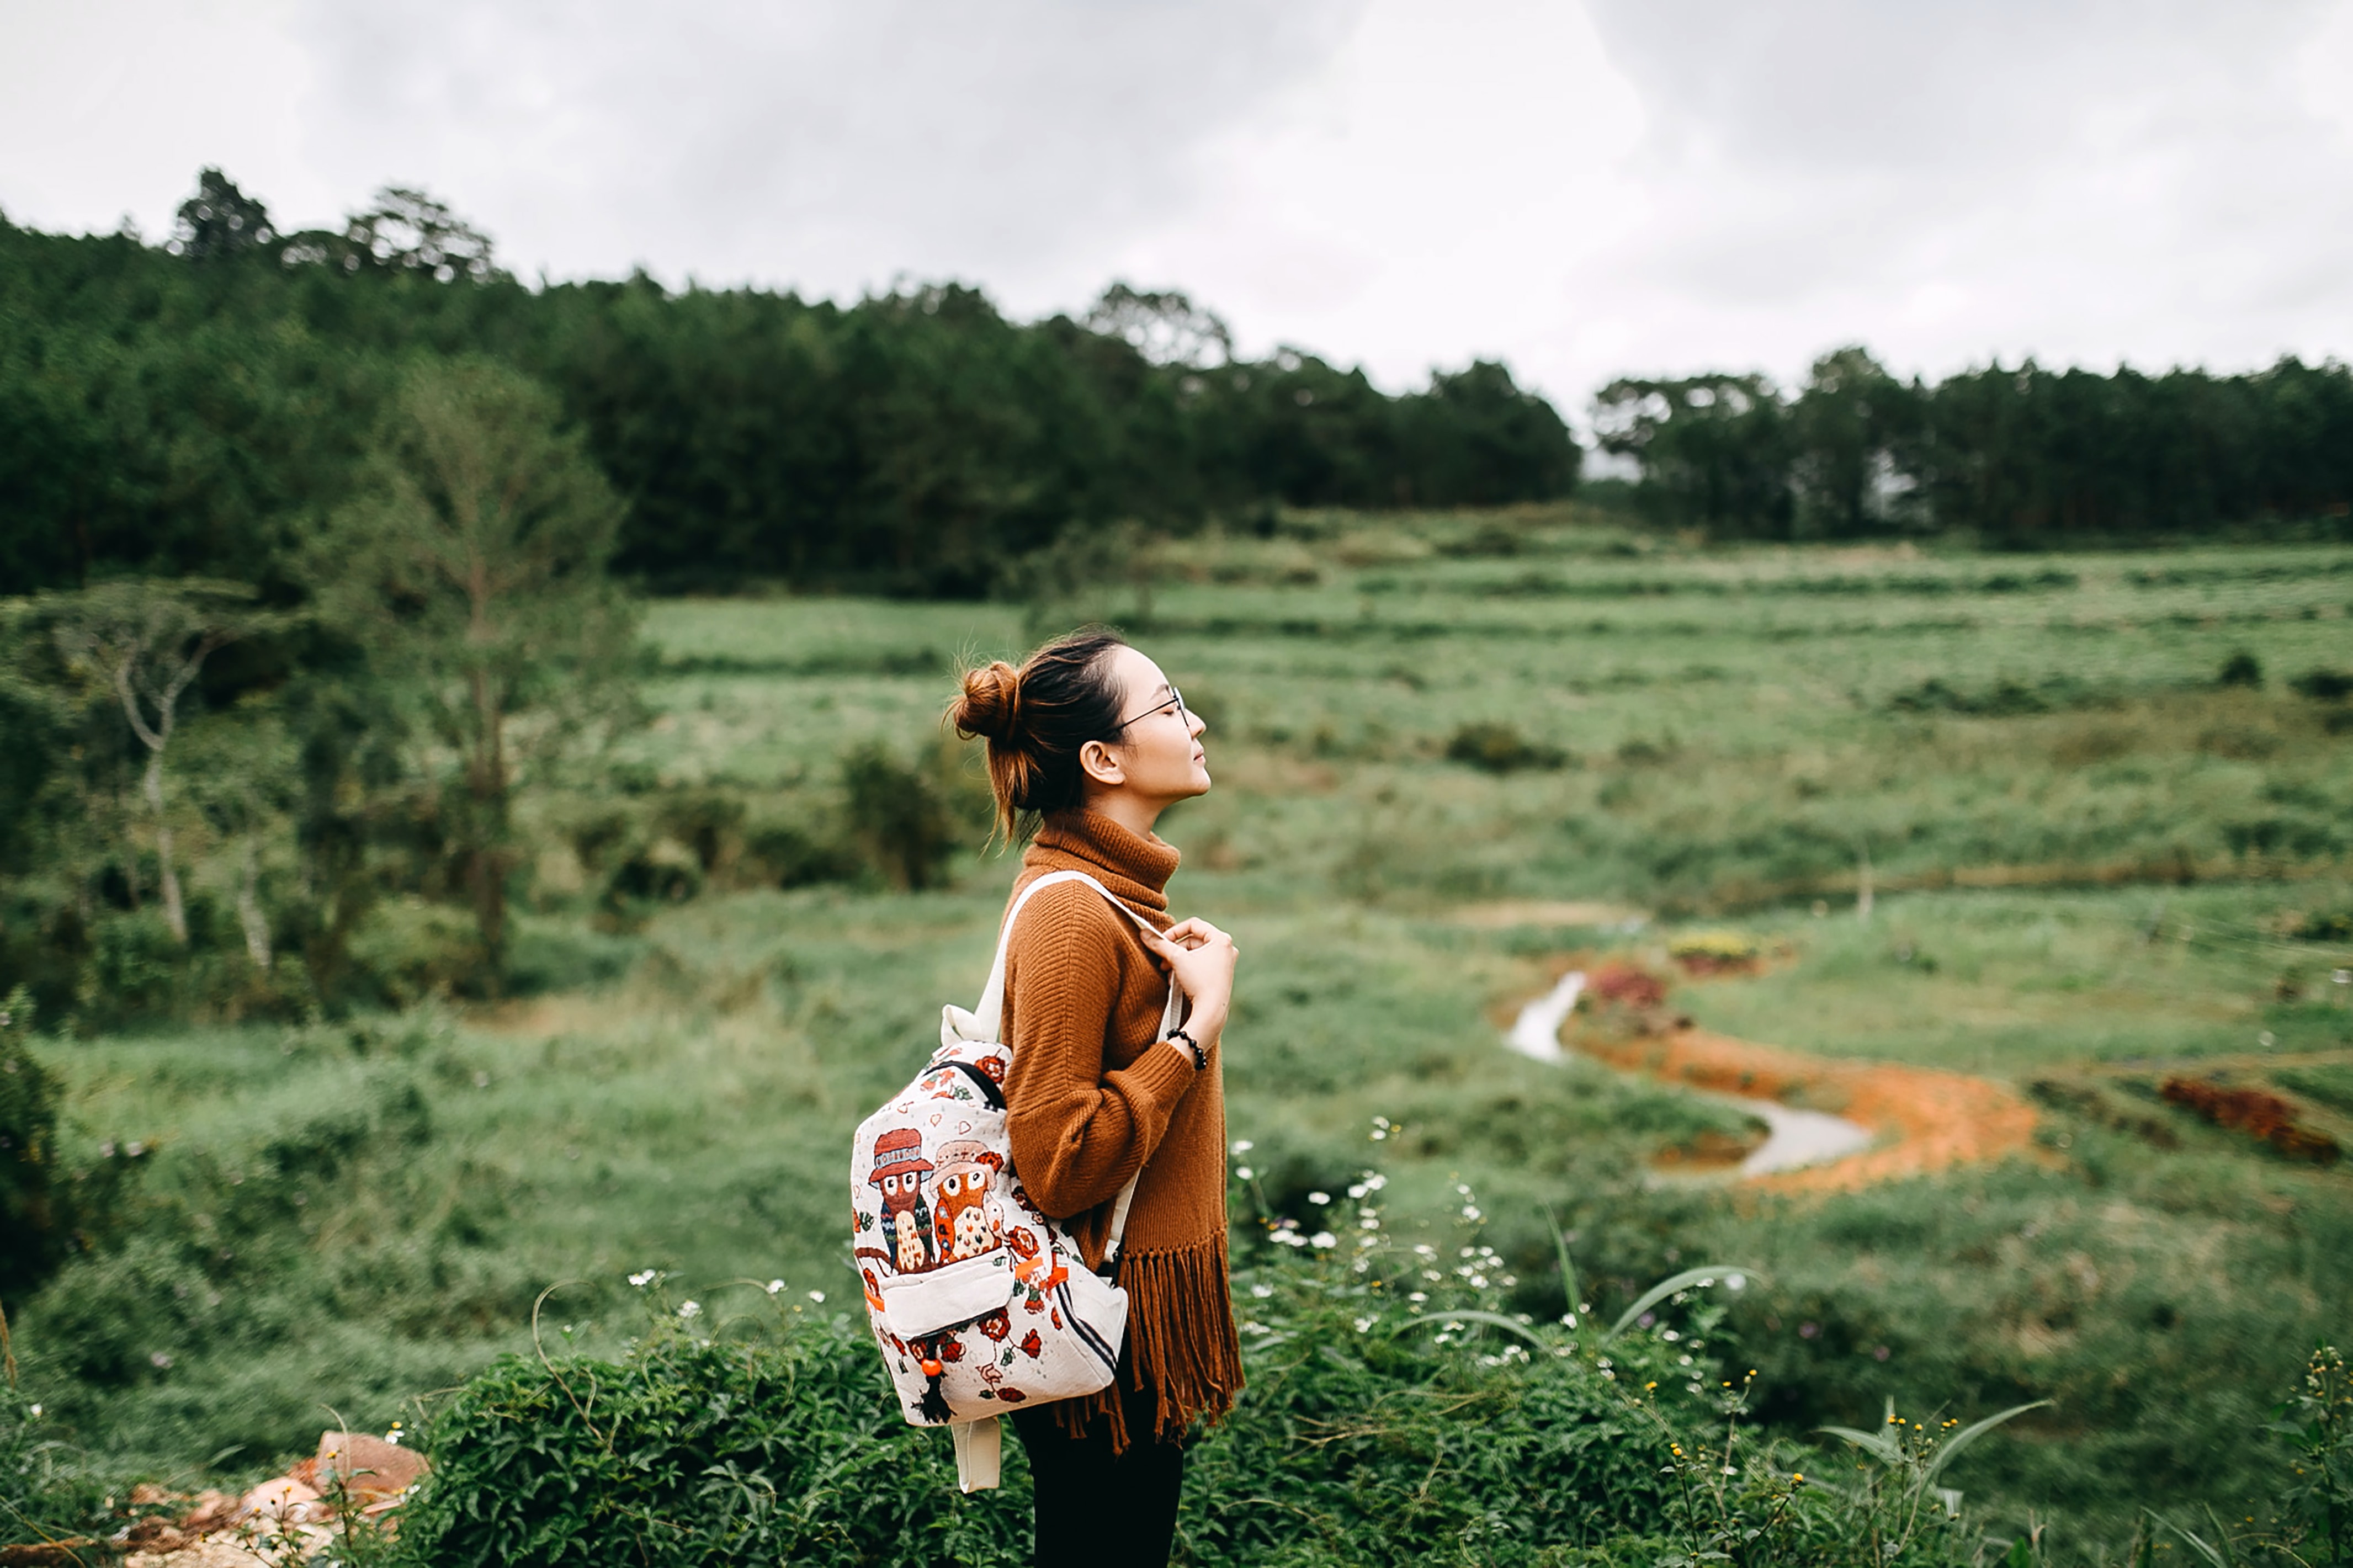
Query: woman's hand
{"x":1201,"y":959}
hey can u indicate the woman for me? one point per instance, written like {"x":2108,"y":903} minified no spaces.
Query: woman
{"x":1088,"y":744}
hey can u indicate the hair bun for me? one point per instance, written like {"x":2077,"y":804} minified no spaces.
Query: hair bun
{"x":991,"y":701}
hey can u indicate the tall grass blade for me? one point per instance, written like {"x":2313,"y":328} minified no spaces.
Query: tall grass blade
{"x":1878,"y":1445}
{"x":2219,"y":1552}
{"x":1969,"y":1435}
{"x":1669,"y":1286}
{"x":1560,"y":1247}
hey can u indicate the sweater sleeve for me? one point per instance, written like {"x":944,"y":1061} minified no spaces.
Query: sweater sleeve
{"x":1078,"y":1131}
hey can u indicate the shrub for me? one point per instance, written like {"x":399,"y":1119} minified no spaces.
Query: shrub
{"x":28,"y":1132}
{"x":2242,"y":668}
{"x":414,"y":949}
{"x":2325,"y":684}
{"x":900,"y":816}
{"x":1396,"y":1414}
{"x":1713,"y":953}
{"x":1500,"y":749}
{"x":50,"y":1206}
{"x":2264,"y":1117}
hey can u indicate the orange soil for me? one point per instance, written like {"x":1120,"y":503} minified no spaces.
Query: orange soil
{"x":1927,"y":1119}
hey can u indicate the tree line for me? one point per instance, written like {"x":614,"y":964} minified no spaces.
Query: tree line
{"x":2019,"y":456}
{"x":195,"y":407}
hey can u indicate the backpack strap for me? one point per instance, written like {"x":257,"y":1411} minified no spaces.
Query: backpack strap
{"x":991,"y":1012}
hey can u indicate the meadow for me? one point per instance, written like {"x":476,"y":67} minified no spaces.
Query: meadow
{"x":2077,"y":823}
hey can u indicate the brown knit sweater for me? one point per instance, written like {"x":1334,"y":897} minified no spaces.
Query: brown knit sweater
{"x":1093,"y":1094}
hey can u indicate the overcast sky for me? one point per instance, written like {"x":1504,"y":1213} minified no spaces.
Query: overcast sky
{"x":1584,"y":188}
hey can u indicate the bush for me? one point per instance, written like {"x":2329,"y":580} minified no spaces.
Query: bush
{"x":1500,"y":749}
{"x":900,"y":816}
{"x":1396,"y":1414}
{"x":2242,"y":668}
{"x":28,"y":1132}
{"x":50,"y":1209}
{"x":413,"y":949}
{"x":2325,"y":684}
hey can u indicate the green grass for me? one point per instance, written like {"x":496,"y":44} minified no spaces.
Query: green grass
{"x":2090,"y":869}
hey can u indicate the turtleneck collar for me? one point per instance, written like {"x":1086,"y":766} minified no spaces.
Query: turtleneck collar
{"x":1135,"y":867}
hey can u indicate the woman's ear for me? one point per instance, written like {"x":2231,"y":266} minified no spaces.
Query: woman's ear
{"x":1101,"y":764}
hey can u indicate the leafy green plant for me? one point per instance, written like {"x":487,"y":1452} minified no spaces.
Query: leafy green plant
{"x":900,"y":815}
{"x":1500,"y":749}
{"x":2316,"y":1503}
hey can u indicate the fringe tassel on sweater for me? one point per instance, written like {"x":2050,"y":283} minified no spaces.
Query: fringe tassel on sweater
{"x":1181,"y":1325}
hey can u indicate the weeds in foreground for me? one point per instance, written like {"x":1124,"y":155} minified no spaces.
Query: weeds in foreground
{"x":1397,"y":1412}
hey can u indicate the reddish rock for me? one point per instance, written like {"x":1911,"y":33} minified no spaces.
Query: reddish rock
{"x":151,"y":1534}
{"x":373,"y":1468}
{"x":213,"y":1510}
{"x":285,"y":1499}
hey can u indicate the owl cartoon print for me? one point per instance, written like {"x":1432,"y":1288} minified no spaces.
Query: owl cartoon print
{"x":907,"y":1227}
{"x":966,"y":1219}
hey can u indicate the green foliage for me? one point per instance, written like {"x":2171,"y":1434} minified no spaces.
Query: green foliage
{"x":2317,"y":1522}
{"x":2323,"y":685}
{"x":1394,"y":1415}
{"x":472,"y":567}
{"x":901,"y":816}
{"x":1715,"y":450}
{"x":2242,"y":668}
{"x":28,"y":1152}
{"x":2022,"y":457}
{"x":1500,"y":749}
{"x":783,"y":1446}
{"x":198,"y":412}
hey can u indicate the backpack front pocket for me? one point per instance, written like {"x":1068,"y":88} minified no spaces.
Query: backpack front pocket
{"x":918,"y":1305}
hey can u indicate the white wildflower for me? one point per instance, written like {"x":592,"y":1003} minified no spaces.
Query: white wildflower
{"x":1363,"y":1324}
{"x":645,"y":1277}
{"x":775,"y":1286}
{"x":1319,"y":1199}
{"x":1324,"y":1238}
{"x":1243,"y":1145}
{"x":1244,"y":1174}
{"x":1418,"y":1295}
{"x":817,"y":1296}
{"x":689,"y":1310}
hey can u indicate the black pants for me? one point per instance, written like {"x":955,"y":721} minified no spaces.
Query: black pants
{"x":1094,"y":1508}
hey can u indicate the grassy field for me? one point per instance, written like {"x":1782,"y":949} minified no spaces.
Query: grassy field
{"x":2093,"y":865}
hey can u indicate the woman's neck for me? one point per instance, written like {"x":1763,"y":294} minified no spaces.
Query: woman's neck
{"x":1136,"y":815}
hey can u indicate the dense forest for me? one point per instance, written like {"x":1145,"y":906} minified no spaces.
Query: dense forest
{"x":318,"y":547}
{"x":2018,"y":456}
{"x":194,"y":407}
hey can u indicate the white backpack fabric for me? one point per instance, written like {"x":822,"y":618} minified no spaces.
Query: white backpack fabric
{"x":979,"y":1301}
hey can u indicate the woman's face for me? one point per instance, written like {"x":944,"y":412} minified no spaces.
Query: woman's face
{"x":1158,"y":748}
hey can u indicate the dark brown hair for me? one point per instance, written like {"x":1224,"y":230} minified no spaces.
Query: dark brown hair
{"x":1036,"y":717}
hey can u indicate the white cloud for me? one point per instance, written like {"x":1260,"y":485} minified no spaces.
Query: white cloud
{"x":1580,"y":188}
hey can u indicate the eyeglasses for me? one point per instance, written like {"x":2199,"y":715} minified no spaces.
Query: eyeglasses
{"x":1174,"y":698}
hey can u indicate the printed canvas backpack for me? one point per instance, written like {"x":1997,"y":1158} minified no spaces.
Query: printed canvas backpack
{"x":979,"y":1301}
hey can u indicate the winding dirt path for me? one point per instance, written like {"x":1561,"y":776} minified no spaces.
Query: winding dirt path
{"x":1927,"y":1119}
